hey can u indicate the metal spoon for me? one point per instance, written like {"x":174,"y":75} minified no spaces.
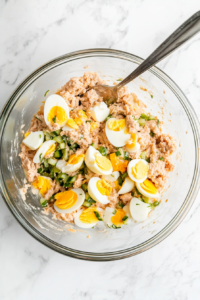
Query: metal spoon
{"x":187,"y":30}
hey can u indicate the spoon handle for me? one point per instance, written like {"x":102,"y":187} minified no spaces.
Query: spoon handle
{"x":175,"y":40}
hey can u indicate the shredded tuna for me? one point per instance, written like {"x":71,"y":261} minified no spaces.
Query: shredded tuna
{"x":126,"y":198}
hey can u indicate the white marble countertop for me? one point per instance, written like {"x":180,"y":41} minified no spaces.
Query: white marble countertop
{"x":34,"y":32}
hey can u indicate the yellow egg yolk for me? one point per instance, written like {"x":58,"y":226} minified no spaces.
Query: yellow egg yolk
{"x":103,"y":163}
{"x":26,"y":134}
{"x":57,"y":115}
{"x":78,"y":121}
{"x":140,"y":170}
{"x":74,"y":159}
{"x":93,"y":126}
{"x":117,"y":218}
{"x":117,"y":125}
{"x":130,"y":144}
{"x":104,"y":187}
{"x":65,"y":200}
{"x":51,"y":149}
{"x":148,"y":187}
{"x":82,"y":114}
{"x":42,"y":184}
{"x":118,"y":164}
{"x":88,"y":216}
{"x":72,"y":123}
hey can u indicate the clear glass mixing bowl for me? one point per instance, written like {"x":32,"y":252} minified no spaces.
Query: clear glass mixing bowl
{"x":169,"y":103}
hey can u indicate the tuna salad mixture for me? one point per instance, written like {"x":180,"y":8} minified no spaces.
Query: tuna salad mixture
{"x":93,"y":162}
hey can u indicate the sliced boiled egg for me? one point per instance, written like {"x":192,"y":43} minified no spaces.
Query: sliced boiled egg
{"x":112,"y":177}
{"x":34,"y":140}
{"x":148,"y":189}
{"x":97,"y":163}
{"x":115,"y":217}
{"x":132,"y":145}
{"x":117,"y":132}
{"x":74,"y":163}
{"x":137,"y":170}
{"x":70,"y":125}
{"x":46,"y":148}
{"x":68,"y":201}
{"x":138,"y":209}
{"x":100,"y":112}
{"x":127,"y":186}
{"x":99,"y":189}
{"x":56,"y":110}
{"x":118,"y":164}
{"x":42,"y":184}
{"x":87,"y":218}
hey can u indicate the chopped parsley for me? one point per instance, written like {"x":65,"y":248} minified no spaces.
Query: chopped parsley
{"x":98,"y":215}
{"x":103,"y":151}
{"x":54,"y":119}
{"x":152,"y":133}
{"x":38,"y":118}
{"x":117,"y":153}
{"x":46,"y":93}
{"x":161,"y":158}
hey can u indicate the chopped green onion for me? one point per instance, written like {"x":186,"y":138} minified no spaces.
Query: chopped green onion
{"x":98,"y":215}
{"x":144,"y":116}
{"x":38,"y":118}
{"x":146,"y":199}
{"x":120,"y":204}
{"x":126,"y":155}
{"x":46,"y":165}
{"x":151,"y":96}
{"x":143,"y":155}
{"x":65,"y":154}
{"x":115,"y":227}
{"x":118,"y":153}
{"x":124,"y":219}
{"x":124,"y":175}
{"x":63,"y":177}
{"x":88,"y":121}
{"x":46,"y":93}
{"x":151,"y":118}
{"x":120,"y":79}
{"x":40,"y":136}
{"x":114,"y":212}
{"x":120,"y":181}
{"x":158,"y":123}
{"x":103,"y":151}
{"x":137,"y":204}
{"x":56,"y":170}
{"x":52,"y":161}
{"x":148,"y":159}
{"x":43,"y":202}
{"x":62,"y":145}
{"x":94,"y":145}
{"x":152,"y":134}
{"x":57,"y":132}
{"x":81,"y":137}
{"x":141,"y":122}
{"x":54,"y":119}
{"x":138,"y":191}
{"x":161,"y":158}
{"x":108,"y":117}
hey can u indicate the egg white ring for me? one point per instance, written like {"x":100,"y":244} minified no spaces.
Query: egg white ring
{"x":93,"y":165}
{"x":127,"y":186}
{"x":81,"y":198}
{"x":146,"y":194}
{"x":55,"y":100}
{"x":42,"y":150}
{"x":131,"y":164}
{"x":139,"y":210}
{"x":70,"y":168}
{"x":115,"y":135}
{"x":134,"y":149}
{"x":97,"y":196}
{"x":100,"y":112}
{"x":81,"y":224}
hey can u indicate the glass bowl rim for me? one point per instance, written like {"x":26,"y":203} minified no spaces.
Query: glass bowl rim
{"x":187,"y":203}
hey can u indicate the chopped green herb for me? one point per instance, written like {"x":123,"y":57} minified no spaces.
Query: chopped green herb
{"x":84,"y":187}
{"x":115,"y":227}
{"x":108,"y":117}
{"x":126,"y":155}
{"x":141,"y":122}
{"x":112,"y":175}
{"x":120,"y":204}
{"x":38,"y":118}
{"x":117,"y":153}
{"x":81,"y":137}
{"x":138,"y":191}
{"x":146,"y":199}
{"x":158,"y":123}
{"x":151,"y":118}
{"x":46,"y":93}
{"x":103,"y":151}
{"x":43,"y":202}
{"x":143,"y":155}
{"x":154,"y":204}
{"x":98,"y":215}
{"x":148,"y":160}
{"x":114,"y":212}
{"x":54,"y":119}
{"x":120,"y":79}
{"x":124,"y":219}
{"x":40,"y":156}
{"x":151,"y":96}
{"x":134,"y":118}
{"x":124,"y":175}
{"x":72,"y":109}
{"x":120,"y":181}
{"x":161,"y":158}
{"x":40,"y":136}
{"x":152,"y":133}
{"x":144,"y":116}
{"x":88,"y":121}
{"x":137,"y":204}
